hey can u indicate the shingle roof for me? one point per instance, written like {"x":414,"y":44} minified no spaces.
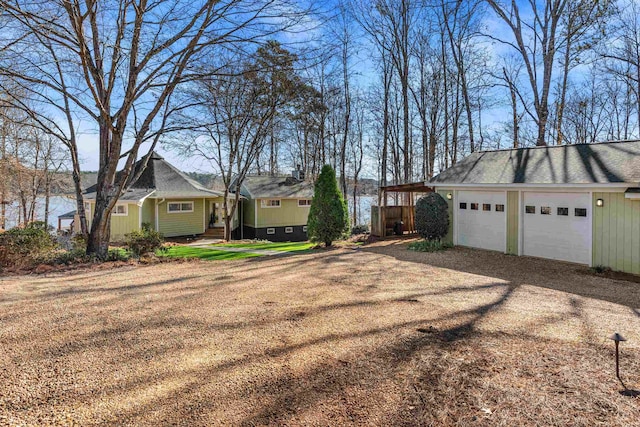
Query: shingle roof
{"x":163,"y":180}
{"x":281,"y":187}
{"x":602,"y":163}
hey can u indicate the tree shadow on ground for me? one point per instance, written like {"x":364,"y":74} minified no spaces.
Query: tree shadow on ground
{"x":518,"y":270}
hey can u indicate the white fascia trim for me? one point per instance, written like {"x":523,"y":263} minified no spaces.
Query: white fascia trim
{"x":632,"y":196}
{"x":560,"y":187}
{"x":244,"y":187}
{"x":141,"y":201}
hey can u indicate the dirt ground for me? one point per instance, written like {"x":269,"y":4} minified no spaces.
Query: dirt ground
{"x":372,"y":336}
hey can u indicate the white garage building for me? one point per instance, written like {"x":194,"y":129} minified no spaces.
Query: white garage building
{"x":576,"y":203}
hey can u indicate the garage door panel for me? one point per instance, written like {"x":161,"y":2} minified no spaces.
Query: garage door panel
{"x":480,"y":228}
{"x":566,"y":238}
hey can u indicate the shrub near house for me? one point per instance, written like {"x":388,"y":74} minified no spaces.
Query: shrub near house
{"x":432,"y":223}
{"x":328,"y":217}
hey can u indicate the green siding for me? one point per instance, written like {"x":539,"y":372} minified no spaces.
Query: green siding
{"x":121,"y":225}
{"x":616,"y":232}
{"x":249,"y":212}
{"x":183,"y":223}
{"x":149,"y":212}
{"x":512,"y":222}
{"x":289,"y":213}
{"x":449,"y":237}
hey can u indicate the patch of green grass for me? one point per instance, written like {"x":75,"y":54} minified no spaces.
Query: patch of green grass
{"x":281,"y":246}
{"x":428,"y":246}
{"x":205,"y":253}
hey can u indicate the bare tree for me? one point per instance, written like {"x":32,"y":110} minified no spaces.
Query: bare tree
{"x":116,"y":66}
{"x":536,"y":40}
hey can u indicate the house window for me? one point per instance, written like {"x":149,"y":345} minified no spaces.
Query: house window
{"x":288,"y":229}
{"x":270,"y":203}
{"x":530,"y":209}
{"x":499,"y":208}
{"x":304,"y":228}
{"x":563,"y":211}
{"x":463,"y":205}
{"x":580,"y":212}
{"x":474,"y":206}
{"x":271,"y":231}
{"x":87,"y":208}
{"x":545,"y":210}
{"x":179,"y":207}
{"x":120,"y":210}
{"x":486,"y":206}
{"x":304,"y":203}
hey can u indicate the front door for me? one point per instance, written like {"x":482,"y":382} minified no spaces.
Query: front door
{"x":216,"y":210}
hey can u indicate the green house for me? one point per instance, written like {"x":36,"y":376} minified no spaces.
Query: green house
{"x":276,"y":207}
{"x":575,"y":203}
{"x":166,"y":200}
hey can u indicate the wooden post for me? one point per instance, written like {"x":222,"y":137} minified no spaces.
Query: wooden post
{"x":383,"y":213}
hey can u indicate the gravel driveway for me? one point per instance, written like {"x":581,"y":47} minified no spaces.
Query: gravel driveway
{"x":372,"y":336}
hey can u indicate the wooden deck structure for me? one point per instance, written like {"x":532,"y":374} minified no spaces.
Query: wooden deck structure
{"x":384,"y":217}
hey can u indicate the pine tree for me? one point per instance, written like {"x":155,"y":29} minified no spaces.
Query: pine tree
{"x":328,"y":215}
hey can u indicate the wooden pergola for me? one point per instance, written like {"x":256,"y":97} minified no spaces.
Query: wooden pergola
{"x":385,"y":218}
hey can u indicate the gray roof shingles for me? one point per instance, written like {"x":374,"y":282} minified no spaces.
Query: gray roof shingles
{"x":280,"y":187}
{"x":163,"y":180}
{"x":601,"y":163}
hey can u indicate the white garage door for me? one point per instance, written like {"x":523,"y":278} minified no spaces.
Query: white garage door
{"x":557,"y":226}
{"x":481,"y":219}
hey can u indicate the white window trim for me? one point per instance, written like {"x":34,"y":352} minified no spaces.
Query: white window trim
{"x":304,"y":228}
{"x":271,"y":230}
{"x":126,"y":210}
{"x":180,"y":202}
{"x":304,"y":206}
{"x":263,"y":204}
{"x":288,"y":230}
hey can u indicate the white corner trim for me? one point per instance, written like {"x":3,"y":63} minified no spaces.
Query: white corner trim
{"x":520,"y":222}
{"x":592,"y":215}
{"x":157,"y":217}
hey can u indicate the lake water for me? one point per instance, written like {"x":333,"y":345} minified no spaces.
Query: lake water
{"x":364,"y":208}
{"x":58,"y":205}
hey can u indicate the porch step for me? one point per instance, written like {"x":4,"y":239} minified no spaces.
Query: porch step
{"x":217,"y":233}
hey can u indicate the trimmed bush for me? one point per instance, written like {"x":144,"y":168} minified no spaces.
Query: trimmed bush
{"x":142,"y":242}
{"x":328,"y":215}
{"x":432,"y":216}
{"x":22,"y":247}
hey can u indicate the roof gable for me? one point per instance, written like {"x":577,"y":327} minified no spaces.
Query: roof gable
{"x":281,"y":187}
{"x":602,"y":163}
{"x":163,"y":179}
